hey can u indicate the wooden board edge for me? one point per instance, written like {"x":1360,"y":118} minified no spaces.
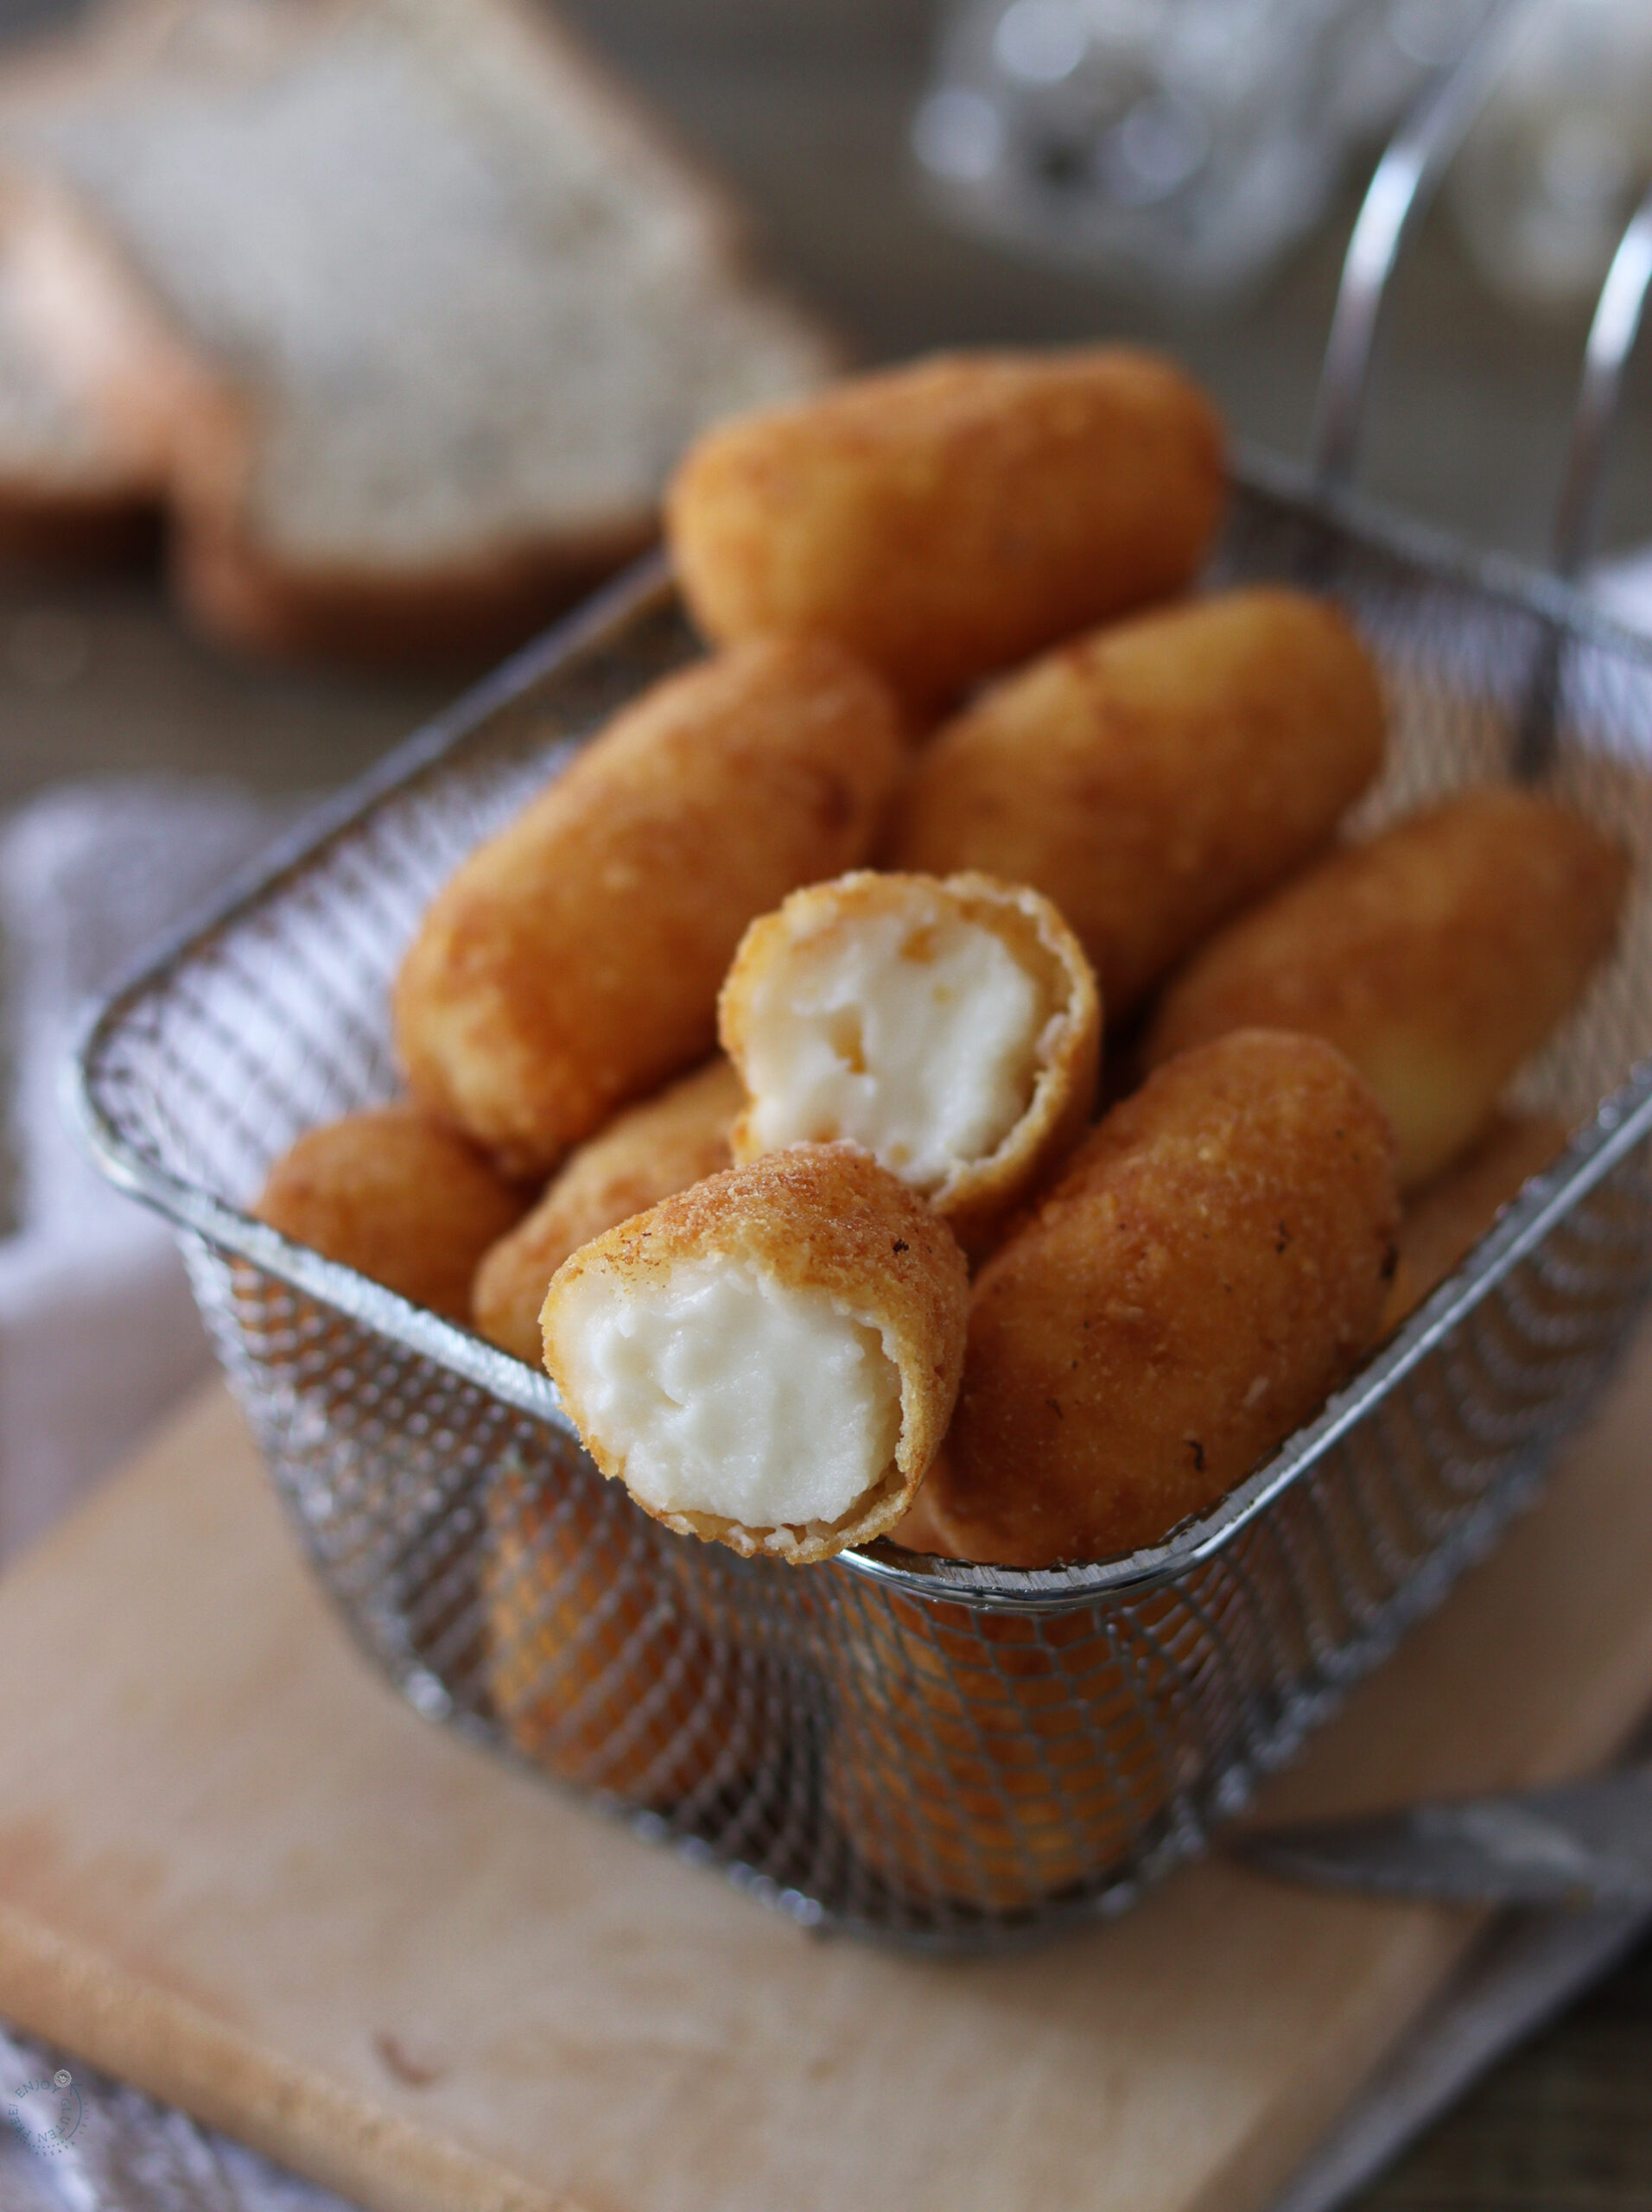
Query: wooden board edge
{"x":176,"y":2052}
{"x":1421,"y":1965}
{"x":206,"y":1418}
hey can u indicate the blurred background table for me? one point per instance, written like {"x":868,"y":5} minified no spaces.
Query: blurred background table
{"x":804,"y":106}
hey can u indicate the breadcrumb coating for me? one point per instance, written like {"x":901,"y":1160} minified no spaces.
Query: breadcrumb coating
{"x":1436,"y":956}
{"x":1152,"y":777}
{"x":598,"y":1668}
{"x":782,"y":953}
{"x":966,"y":1762}
{"x":572,"y":963}
{"x":820,"y":1219}
{"x":399,"y":1198}
{"x":1213,"y":1263}
{"x":946,"y":518}
{"x":643,"y":1154}
{"x":1441,"y":1225}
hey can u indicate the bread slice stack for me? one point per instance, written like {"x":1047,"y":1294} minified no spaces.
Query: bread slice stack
{"x":404,"y":311}
{"x":73,"y":484}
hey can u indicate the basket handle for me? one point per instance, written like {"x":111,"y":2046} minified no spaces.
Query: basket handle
{"x":1576,"y":515}
{"x":1400,"y":194}
{"x":1605,"y":360}
{"x":1402,"y":189}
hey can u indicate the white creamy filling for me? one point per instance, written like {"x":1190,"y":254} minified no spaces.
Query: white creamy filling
{"x":914,"y":1036}
{"x":718,"y":1391}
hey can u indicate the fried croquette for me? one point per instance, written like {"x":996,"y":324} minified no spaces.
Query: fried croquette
{"x":769,"y":1359}
{"x":945,"y":519}
{"x":990,"y":1759}
{"x":1213,"y":1263}
{"x":1444,"y":1222}
{"x":598,"y":1670}
{"x":951,"y":1029}
{"x":399,"y":1198}
{"x":1154,"y":777}
{"x":572,"y":963}
{"x":1436,"y":956}
{"x":645,"y":1154}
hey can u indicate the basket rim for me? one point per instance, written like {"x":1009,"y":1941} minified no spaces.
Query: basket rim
{"x":1622,"y":1121}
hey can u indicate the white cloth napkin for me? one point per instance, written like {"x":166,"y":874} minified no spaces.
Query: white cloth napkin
{"x":98,"y":1335}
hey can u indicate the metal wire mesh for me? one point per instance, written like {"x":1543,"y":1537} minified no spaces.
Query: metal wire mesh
{"x":944,"y":1755}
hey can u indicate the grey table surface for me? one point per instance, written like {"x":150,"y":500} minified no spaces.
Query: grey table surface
{"x":803,"y":103}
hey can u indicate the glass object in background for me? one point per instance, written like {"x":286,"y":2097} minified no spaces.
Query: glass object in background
{"x":1179,"y":145}
{"x":1552,"y":171}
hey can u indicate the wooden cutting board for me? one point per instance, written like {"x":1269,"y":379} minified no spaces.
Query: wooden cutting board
{"x":236,"y":1870}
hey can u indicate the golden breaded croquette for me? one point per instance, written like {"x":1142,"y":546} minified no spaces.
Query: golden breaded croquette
{"x":949,"y":1028}
{"x":1213,"y":1263}
{"x":945,"y":519}
{"x":598,"y":1670}
{"x":769,"y":1359}
{"x":992,"y":1759}
{"x":572,"y":963}
{"x":645,"y":1154}
{"x":1436,"y":956}
{"x":1152,"y":777}
{"x":1444,"y":1222}
{"x":399,"y":1198}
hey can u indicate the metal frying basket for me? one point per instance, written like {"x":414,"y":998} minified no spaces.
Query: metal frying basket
{"x":945,"y":1755}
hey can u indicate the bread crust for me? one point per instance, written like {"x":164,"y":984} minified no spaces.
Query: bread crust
{"x":1214,"y":1261}
{"x":815,"y":1217}
{"x":645,"y":1154}
{"x":50,"y":531}
{"x":572,"y":963}
{"x":399,"y":1198}
{"x":74,"y":308}
{"x":1436,"y":956}
{"x":448,"y":617}
{"x":947,"y":517}
{"x":975,"y":1198}
{"x":156,"y":377}
{"x":1152,"y":777}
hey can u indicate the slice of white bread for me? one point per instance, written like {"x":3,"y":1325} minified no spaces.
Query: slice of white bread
{"x":74,"y":486}
{"x":453,"y":307}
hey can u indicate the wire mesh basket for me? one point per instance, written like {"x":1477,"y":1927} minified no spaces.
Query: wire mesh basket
{"x":941,"y":1753}
{"x":948,"y":1756}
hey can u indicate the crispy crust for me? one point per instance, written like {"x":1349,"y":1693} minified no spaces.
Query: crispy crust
{"x":964,"y":1763}
{"x":444,"y":618}
{"x":1153,"y":776}
{"x":84,"y":315}
{"x":1443,"y":1224}
{"x":572,"y":963}
{"x":645,"y":1154}
{"x":50,"y":531}
{"x":921,"y":1528}
{"x":598,"y":1668}
{"x":1436,"y":956}
{"x":1212,"y":1264}
{"x":946,"y":518}
{"x":974,"y":1199}
{"x":819,"y":1218}
{"x":396,"y":1196}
